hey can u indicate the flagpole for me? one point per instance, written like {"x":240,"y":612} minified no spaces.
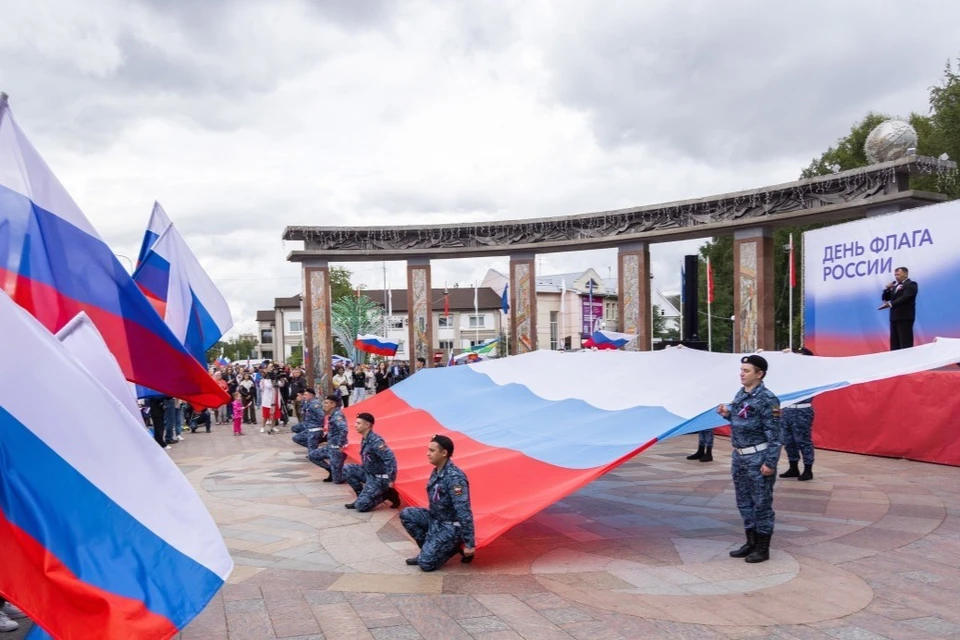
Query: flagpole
{"x":385,"y":300}
{"x":476,"y":315}
{"x":709,"y":306}
{"x":790,"y":306}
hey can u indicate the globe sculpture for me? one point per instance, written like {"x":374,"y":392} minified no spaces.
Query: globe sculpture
{"x":890,"y":140}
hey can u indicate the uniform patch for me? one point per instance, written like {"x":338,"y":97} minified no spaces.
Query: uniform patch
{"x":776,"y":411}
{"x":458,"y":490}
{"x":383,"y":445}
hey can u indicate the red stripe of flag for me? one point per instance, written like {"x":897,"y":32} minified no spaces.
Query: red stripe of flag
{"x":709,"y":282}
{"x":793,"y":269}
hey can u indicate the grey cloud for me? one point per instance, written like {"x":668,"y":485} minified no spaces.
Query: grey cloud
{"x":723,"y":81}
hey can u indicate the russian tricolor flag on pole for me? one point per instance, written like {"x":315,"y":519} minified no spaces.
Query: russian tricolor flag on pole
{"x":158,"y":223}
{"x":99,"y":541}
{"x":376,"y":345}
{"x":602,"y":339}
{"x":55,"y":265}
{"x":181,"y":291}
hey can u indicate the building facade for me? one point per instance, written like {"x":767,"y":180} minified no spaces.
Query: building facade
{"x":571,"y":306}
{"x":280,"y":330}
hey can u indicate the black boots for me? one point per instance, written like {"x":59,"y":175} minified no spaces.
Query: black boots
{"x":807,"y":473}
{"x":394,"y":497}
{"x":697,"y":455}
{"x":748,"y":548}
{"x":793,"y":471}
{"x":707,"y":455}
{"x":761,"y":552}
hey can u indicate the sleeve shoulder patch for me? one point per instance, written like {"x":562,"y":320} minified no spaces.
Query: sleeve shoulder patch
{"x":458,"y":490}
{"x":382,"y":446}
{"x":776,"y":411}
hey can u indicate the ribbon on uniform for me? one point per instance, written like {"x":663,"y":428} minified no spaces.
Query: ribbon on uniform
{"x":743,"y":412}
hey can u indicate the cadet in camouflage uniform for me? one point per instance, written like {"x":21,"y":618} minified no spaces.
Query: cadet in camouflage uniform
{"x":330,"y":456}
{"x":448,"y":523}
{"x":754,"y":418}
{"x":797,"y":427}
{"x":309,"y":432}
{"x":704,"y":447}
{"x":373,"y":478}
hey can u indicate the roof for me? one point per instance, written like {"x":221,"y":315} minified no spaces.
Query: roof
{"x":287,"y":303}
{"x":461,"y":299}
{"x":265,"y":316}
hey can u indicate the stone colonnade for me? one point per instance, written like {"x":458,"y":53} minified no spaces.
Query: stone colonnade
{"x":753,"y":302}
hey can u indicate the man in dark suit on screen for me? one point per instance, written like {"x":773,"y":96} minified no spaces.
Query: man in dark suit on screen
{"x":900,"y":296}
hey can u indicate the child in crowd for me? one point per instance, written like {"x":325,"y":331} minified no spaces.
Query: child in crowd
{"x":237,"y":414}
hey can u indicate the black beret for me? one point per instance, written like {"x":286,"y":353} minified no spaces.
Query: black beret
{"x":445,"y":442}
{"x":806,"y":352}
{"x":310,"y":390}
{"x":758,"y":361}
{"x":368,"y":417}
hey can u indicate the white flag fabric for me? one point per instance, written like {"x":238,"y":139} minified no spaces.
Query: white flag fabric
{"x":81,"y":338}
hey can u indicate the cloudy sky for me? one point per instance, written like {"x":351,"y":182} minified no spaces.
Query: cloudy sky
{"x":243,"y":117}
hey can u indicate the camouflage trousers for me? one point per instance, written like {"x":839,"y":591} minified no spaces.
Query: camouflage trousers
{"x":796,"y":427}
{"x":438,"y":541}
{"x":369,"y":488}
{"x":705,"y":438}
{"x":329,"y":458}
{"x":309,"y":439}
{"x":754,"y":492}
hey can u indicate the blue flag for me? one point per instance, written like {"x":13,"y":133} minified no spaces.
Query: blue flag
{"x":505,"y":298}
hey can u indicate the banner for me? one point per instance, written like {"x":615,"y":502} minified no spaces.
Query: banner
{"x":592,"y":315}
{"x":847,"y":266}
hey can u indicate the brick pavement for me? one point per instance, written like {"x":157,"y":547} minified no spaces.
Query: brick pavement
{"x":869,"y":549}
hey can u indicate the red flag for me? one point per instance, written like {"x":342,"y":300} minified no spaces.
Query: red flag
{"x":793,"y":269}
{"x":446,"y":303}
{"x":709,"y":282}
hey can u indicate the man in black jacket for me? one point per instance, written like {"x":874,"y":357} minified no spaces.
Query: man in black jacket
{"x":900,"y":296}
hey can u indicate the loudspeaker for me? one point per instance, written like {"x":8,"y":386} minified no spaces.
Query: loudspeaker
{"x":691,"y":293}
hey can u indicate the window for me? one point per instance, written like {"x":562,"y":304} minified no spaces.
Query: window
{"x":396,"y":322}
{"x":445,"y":321}
{"x":554,"y":329}
{"x":266,"y":355}
{"x":477,"y":322}
{"x":296,"y":326}
{"x":446,"y":345}
{"x":266,"y":336}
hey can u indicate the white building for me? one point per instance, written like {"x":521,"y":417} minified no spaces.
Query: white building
{"x":280,"y":331}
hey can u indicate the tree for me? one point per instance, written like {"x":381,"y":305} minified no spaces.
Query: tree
{"x":237,"y":348}
{"x":660,"y":329}
{"x":351,"y":316}
{"x":340,"y":286}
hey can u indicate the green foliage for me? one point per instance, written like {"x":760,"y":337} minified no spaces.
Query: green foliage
{"x":296,"y":356}
{"x":237,"y":348}
{"x":720,"y":252}
{"x":340,"y":286}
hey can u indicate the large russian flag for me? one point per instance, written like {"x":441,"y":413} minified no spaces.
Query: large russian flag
{"x":55,"y":265}
{"x":533,"y":428}
{"x":100,"y":541}
{"x":170,"y":275}
{"x":376,"y":345}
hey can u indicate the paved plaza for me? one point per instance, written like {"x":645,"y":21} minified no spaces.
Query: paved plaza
{"x":869,"y":549}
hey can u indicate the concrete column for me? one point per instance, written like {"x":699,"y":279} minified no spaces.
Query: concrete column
{"x":317,"y":334}
{"x":420,"y":312}
{"x":753,"y":296}
{"x":523,"y":304}
{"x":633,"y":273}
